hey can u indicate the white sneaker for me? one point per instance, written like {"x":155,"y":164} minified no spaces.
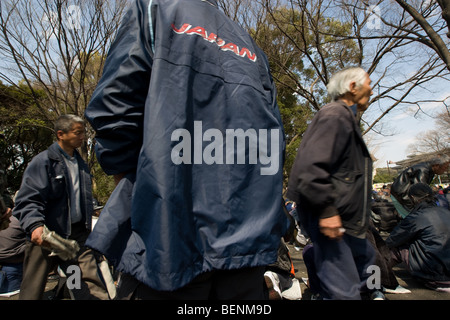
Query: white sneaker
{"x":9,"y":294}
{"x":301,"y":239}
{"x":377,"y":295}
{"x":273,"y":285}
{"x":294,"y":292}
{"x":398,"y":290}
{"x":443,"y":290}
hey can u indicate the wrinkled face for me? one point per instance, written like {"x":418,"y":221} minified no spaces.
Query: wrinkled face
{"x":362,"y":94}
{"x":74,"y":138}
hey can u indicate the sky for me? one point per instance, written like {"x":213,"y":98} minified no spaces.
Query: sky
{"x":404,"y":128}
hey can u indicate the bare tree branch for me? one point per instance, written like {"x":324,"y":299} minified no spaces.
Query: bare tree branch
{"x":436,"y":43}
{"x":51,"y":46}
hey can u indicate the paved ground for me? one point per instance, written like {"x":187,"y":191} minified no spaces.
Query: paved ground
{"x":48,"y":295}
{"x":418,"y":292}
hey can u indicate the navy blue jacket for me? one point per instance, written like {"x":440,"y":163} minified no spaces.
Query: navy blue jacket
{"x":44,"y":198}
{"x":187,"y":103}
{"x":426,"y":232}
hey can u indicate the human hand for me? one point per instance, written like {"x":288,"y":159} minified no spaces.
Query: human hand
{"x":36,"y":236}
{"x":332,"y":227}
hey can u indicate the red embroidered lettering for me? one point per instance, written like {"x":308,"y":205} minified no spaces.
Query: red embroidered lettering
{"x":197,"y":30}
{"x":185,"y":27}
{"x":231,"y":47}
{"x":245,"y":52}
{"x":212,"y":37}
{"x":220,"y":42}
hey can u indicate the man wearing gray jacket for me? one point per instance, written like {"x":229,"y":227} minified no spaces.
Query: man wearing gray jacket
{"x":331,"y":184}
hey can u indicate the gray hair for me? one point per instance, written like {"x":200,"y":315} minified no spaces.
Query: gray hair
{"x":66,"y":121}
{"x":339,"y":83}
{"x":441,"y":160}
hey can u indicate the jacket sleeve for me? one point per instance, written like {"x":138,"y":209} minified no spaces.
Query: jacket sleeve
{"x":317,"y":159}
{"x":117,"y":105}
{"x":404,"y":233}
{"x":32,"y":196}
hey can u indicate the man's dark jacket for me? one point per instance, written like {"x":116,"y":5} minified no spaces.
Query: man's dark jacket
{"x":332,"y":173}
{"x":426,"y":232}
{"x":44,"y":198}
{"x":421,"y":172}
{"x":181,"y":70}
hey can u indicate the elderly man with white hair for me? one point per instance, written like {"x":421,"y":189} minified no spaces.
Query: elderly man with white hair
{"x":331,"y":182}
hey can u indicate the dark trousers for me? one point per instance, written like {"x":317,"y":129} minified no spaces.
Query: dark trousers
{"x":401,"y":254}
{"x":383,"y":259}
{"x":341,"y":265}
{"x":38,"y":264}
{"x":11,"y":276}
{"x":240,"y":284}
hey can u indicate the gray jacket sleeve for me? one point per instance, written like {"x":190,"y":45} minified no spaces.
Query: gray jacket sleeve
{"x":319,"y":155}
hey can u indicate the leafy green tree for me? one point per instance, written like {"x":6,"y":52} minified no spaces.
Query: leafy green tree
{"x":53,"y":53}
{"x":384,"y":176}
{"x":26,"y":129}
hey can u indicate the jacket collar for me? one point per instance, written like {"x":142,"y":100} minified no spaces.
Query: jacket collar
{"x":351,"y":110}
{"x":423,"y":205}
{"x":55,"y":152}
{"x":213,"y":2}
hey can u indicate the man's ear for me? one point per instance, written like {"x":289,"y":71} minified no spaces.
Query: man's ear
{"x":59,"y":134}
{"x":353,"y":87}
